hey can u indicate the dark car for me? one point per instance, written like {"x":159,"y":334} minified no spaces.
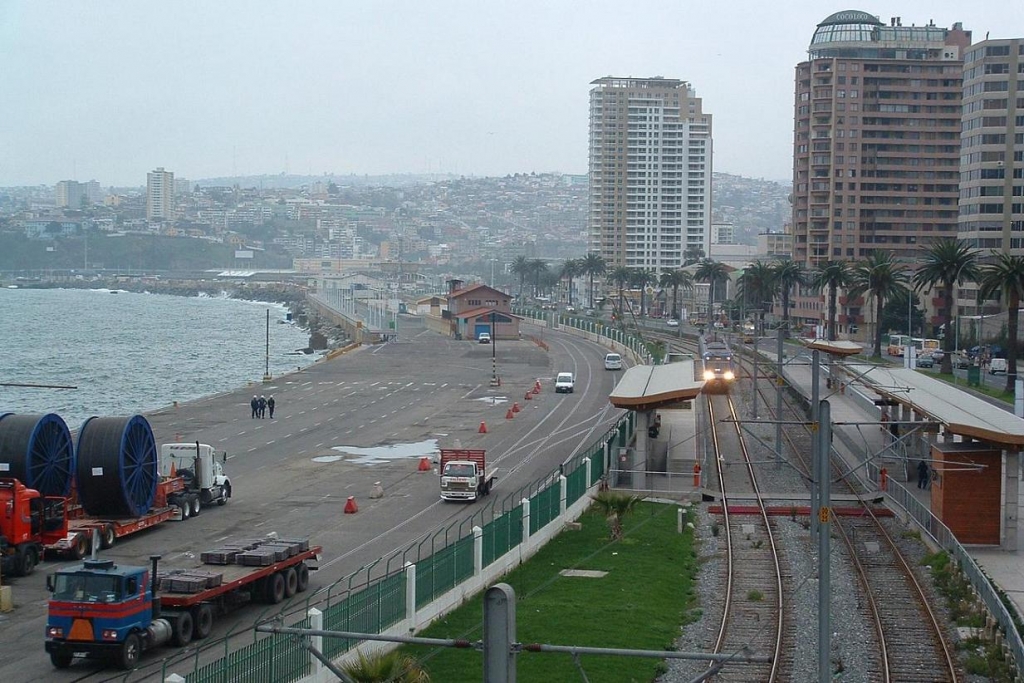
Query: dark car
{"x":926,"y":361}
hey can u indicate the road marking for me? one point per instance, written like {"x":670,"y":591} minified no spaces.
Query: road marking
{"x":287,"y":436}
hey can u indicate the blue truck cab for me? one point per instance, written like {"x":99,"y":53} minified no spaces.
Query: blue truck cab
{"x":100,"y":610}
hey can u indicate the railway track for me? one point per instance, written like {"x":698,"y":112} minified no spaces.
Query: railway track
{"x":753,"y":610}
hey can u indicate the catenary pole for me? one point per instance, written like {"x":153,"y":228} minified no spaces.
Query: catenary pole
{"x":824,"y":543}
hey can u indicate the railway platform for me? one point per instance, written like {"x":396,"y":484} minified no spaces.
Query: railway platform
{"x":860,"y":434}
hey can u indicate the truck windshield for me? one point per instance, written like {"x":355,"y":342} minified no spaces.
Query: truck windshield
{"x":459,"y":469}
{"x":86,"y":588}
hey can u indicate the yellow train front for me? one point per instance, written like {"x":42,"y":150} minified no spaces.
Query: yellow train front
{"x":719,"y":373}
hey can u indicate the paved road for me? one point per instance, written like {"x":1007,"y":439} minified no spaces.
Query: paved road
{"x":419,"y":388}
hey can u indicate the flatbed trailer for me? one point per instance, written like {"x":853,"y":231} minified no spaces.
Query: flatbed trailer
{"x":101,"y":610}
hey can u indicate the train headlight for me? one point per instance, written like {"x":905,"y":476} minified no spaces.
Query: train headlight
{"x":709,"y":375}
{"x":729,"y":375}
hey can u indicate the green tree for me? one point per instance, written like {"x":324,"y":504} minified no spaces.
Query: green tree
{"x":759,"y":289}
{"x":537,"y":269}
{"x":378,"y":666}
{"x":621,"y":276}
{"x":831,"y":276}
{"x":593,"y":265}
{"x":880,"y":276}
{"x":788,"y":274}
{"x":1005,"y":277}
{"x":641,"y":279}
{"x":615,"y":507}
{"x":947,"y":263}
{"x":571,"y":268}
{"x":521,"y":267}
{"x":676,"y":280}
{"x":712,"y":272}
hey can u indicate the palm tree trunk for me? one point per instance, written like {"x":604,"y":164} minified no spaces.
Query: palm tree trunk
{"x":832,"y":312}
{"x":947,"y":339}
{"x":1013,"y":315}
{"x":591,"y":289}
{"x":675,"y":301}
{"x":878,"y":327}
{"x":785,"y":312}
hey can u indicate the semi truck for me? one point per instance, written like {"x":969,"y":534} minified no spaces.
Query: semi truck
{"x":102,"y":610}
{"x":33,"y":526}
{"x":464,"y":474}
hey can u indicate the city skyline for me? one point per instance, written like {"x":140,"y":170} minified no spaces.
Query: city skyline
{"x":109,"y":91}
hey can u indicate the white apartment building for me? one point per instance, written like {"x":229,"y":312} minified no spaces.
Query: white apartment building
{"x":160,"y":195}
{"x":650,"y":172}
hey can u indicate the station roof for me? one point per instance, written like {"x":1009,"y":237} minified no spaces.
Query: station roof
{"x":961,"y":412}
{"x":836,"y":348}
{"x":648,"y":387}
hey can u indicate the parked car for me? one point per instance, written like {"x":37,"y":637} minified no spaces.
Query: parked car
{"x":564,"y":383}
{"x":997,"y":366}
{"x":672,"y":322}
{"x":961,"y":361}
{"x":612,"y":361}
{"x":484,"y":338}
{"x":925,"y":361}
{"x":938,"y":355}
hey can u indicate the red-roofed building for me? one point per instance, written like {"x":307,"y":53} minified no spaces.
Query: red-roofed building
{"x":478,"y":308}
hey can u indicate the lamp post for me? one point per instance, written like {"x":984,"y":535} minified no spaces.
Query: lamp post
{"x":494,"y":355}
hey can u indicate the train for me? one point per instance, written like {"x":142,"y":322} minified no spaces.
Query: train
{"x":719,"y":371}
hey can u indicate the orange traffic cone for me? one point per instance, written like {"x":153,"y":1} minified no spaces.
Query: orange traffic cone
{"x":483,"y":428}
{"x":536,"y":387}
{"x":515,"y":407}
{"x":350,"y":506}
{"x":509,"y":414}
{"x":424,"y":464}
{"x":174,"y":470}
{"x":529,"y":396}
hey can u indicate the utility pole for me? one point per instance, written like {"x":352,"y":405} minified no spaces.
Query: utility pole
{"x":824,"y":513}
{"x":266,"y":373}
{"x":779,"y":349}
{"x":815,"y":429}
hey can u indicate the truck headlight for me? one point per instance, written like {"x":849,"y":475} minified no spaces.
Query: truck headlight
{"x":54,"y":632}
{"x":709,"y":375}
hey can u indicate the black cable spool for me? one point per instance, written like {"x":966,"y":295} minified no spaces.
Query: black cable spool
{"x":117,"y":466}
{"x":38,"y":451}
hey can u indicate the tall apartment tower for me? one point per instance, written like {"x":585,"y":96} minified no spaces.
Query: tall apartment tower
{"x":992,"y":154}
{"x":650,"y":172}
{"x":69,"y":194}
{"x":160,"y":195}
{"x":876,"y":147}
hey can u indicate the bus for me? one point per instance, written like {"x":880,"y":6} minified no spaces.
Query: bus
{"x":896,"y":344}
{"x":928,"y":345}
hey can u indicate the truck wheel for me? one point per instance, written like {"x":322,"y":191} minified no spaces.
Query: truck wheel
{"x":183,"y":628}
{"x":274,"y":589}
{"x":291,"y":582}
{"x":80,"y":549}
{"x":28,"y":560}
{"x":302,"y":577}
{"x":107,"y":536}
{"x":202,"y":617}
{"x":225,"y":493}
{"x":61,"y":659}
{"x":131,"y":650}
{"x":197,"y":505}
{"x":186,"y":509}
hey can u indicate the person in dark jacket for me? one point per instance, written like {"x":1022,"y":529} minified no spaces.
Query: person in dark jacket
{"x":263,"y":406}
{"x":922,"y":475}
{"x":255,"y":405}
{"x":270,"y":406}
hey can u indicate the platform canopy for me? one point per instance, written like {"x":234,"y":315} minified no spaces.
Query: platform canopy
{"x":959,"y":411}
{"x":835,"y":348}
{"x":649,"y":387}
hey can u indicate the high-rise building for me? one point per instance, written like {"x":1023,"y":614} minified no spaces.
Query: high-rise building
{"x":160,"y":195}
{"x":992,"y":154}
{"x":70,"y":193}
{"x":650,"y":172}
{"x":876,"y":147}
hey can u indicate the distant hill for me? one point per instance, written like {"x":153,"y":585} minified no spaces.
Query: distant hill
{"x":753,"y":205}
{"x":285,"y":181}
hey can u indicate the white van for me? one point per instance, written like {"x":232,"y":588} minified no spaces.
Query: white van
{"x":564,"y":383}
{"x":997,"y":366}
{"x":612,"y":361}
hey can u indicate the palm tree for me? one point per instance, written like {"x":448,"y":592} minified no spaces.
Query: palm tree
{"x":641,"y":279}
{"x":833,"y":276}
{"x":593,"y":264}
{"x":787,"y":275}
{"x":758,"y":286}
{"x":615,"y":506}
{"x":378,"y":666}
{"x":621,"y":276}
{"x":947,"y":263}
{"x":881,"y":276}
{"x":536,"y":268}
{"x":521,"y":267}
{"x":711,"y":271}
{"x":1006,"y":277}
{"x":571,"y":268}
{"x":676,"y":279}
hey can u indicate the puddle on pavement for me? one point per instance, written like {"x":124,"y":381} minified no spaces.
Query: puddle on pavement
{"x":378,"y":455}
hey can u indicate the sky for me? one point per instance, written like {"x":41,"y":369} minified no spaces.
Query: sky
{"x":110,"y":90}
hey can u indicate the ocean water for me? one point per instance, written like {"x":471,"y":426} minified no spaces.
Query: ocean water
{"x":128,"y":353}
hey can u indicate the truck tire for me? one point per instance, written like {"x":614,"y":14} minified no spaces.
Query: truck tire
{"x":182,"y":629}
{"x":225,"y":493}
{"x":186,"y":509}
{"x":27,"y":560}
{"x":273,"y":592}
{"x":291,"y":582}
{"x":61,"y":659}
{"x":195,"y":503}
{"x":80,"y":549}
{"x":202,"y":617}
{"x":131,"y":649}
{"x":302,"y":577}
{"x":107,"y":536}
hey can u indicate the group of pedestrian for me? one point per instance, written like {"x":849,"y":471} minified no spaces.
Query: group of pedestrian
{"x":261,"y":405}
